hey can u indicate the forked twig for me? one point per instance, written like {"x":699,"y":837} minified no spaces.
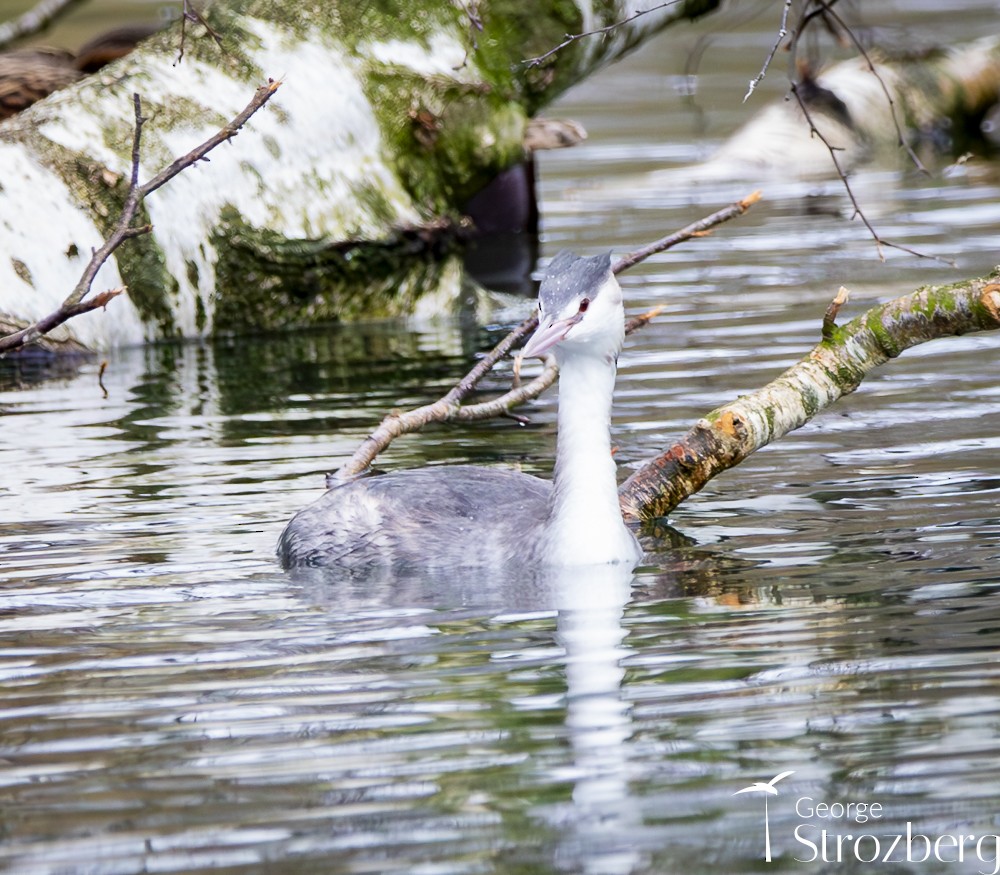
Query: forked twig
{"x":190,"y":13}
{"x":475,"y":20}
{"x":75,"y":303}
{"x":823,"y":10}
{"x":900,"y":137}
{"x":859,"y":213}
{"x":449,"y":407}
{"x":600,"y":31}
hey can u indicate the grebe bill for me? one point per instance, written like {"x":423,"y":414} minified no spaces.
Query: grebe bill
{"x":464,"y":515}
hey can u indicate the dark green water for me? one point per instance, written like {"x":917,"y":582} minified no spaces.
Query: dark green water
{"x":170,"y":701}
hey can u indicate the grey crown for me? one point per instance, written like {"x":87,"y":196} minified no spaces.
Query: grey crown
{"x":571,"y":276}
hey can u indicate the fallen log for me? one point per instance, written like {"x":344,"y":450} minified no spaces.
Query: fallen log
{"x":344,"y":197}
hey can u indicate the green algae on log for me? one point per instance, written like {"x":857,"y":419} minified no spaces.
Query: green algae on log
{"x":834,"y":368}
{"x":339,"y":200}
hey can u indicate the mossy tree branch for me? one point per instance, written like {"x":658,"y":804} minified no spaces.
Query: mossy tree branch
{"x":834,"y":368}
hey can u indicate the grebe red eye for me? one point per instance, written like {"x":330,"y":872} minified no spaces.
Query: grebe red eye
{"x":584,"y":304}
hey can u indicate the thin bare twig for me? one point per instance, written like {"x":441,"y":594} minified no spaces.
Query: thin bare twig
{"x":449,"y":407}
{"x":446,"y":408}
{"x":65,"y":312}
{"x":75,"y":304}
{"x":823,"y":10}
{"x":812,"y":10}
{"x":600,"y":31}
{"x":472,"y":13}
{"x":859,"y":213}
{"x":512,"y":398}
{"x":901,"y":139}
{"x":263,"y":94}
{"x":34,"y":21}
{"x":189,"y":13}
{"x":695,"y":229}
{"x":782,"y":33}
{"x":642,"y":320}
{"x":502,"y":405}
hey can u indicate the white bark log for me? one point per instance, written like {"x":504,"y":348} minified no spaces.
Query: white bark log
{"x":322,"y":166}
{"x":927,"y":93}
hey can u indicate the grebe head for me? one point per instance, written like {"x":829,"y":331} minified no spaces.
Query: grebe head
{"x":580,"y":309}
{"x":463,"y":515}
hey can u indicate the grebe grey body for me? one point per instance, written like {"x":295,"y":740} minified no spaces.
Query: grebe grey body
{"x":453,"y":516}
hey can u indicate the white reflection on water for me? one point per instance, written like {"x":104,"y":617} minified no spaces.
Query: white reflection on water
{"x":591,"y":606}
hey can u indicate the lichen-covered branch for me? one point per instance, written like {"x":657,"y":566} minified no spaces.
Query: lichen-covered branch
{"x":835,"y":367}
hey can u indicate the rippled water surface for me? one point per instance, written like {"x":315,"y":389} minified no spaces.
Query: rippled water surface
{"x":170,"y":701}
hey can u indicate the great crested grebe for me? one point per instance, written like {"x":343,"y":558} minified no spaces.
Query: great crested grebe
{"x":463,"y":515}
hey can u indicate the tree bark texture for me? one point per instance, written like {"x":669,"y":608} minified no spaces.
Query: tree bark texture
{"x":835,"y":367}
{"x":340,"y":200}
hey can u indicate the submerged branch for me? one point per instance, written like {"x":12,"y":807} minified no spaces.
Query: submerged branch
{"x":834,"y":368}
{"x":449,"y":407}
{"x":124,"y":230}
